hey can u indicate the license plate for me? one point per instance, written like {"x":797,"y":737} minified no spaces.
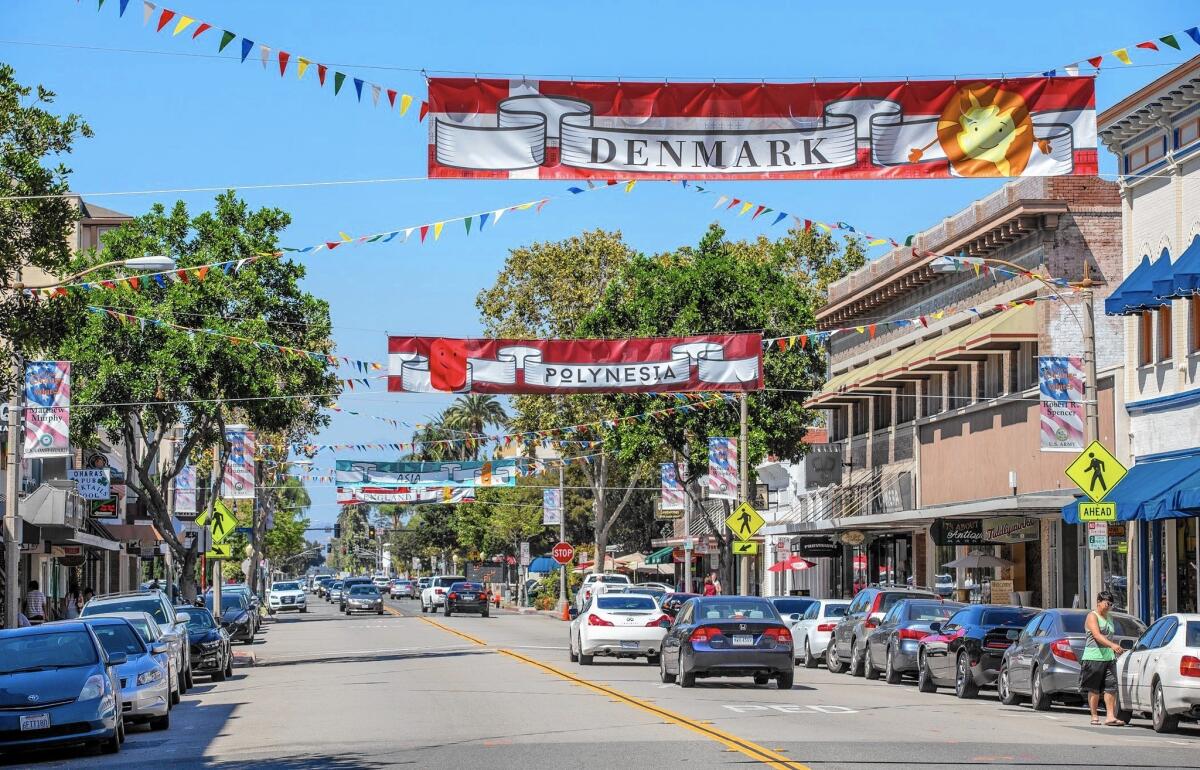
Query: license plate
{"x":629,"y":645}
{"x":36,"y":722}
{"x":468,"y":597}
{"x":743,"y":640}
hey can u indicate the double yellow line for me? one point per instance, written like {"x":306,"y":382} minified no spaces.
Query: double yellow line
{"x":732,"y":742}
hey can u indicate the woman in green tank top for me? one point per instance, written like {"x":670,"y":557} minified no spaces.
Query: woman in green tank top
{"x":1098,"y":668}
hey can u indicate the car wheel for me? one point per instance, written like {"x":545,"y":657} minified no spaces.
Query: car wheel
{"x":1040,"y":699}
{"x":219,"y":676}
{"x":113,"y":745}
{"x":303,"y":609}
{"x":161,"y":723}
{"x":571,"y":649}
{"x":380,"y":612}
{"x":173,"y":698}
{"x":964,"y":684}
{"x":761,"y":679}
{"x":785,"y":681}
{"x":250,"y":640}
{"x":832,"y":661}
{"x":447,"y":610}
{"x":424,"y":608}
{"x":1123,"y":714}
{"x":686,"y":678}
{"x":856,"y":658}
{"x":809,"y":660}
{"x":191,"y":682}
{"x":925,"y":681}
{"x":584,"y":660}
{"x":1004,"y":687}
{"x":890,"y":673}
{"x":869,"y":670}
{"x":1163,"y":722}
{"x":664,"y":676}
{"x":229,"y":665}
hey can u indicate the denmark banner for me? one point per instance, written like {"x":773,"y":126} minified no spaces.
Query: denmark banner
{"x":1061,"y":384}
{"x":673,"y":496}
{"x":355,"y":495}
{"x":47,"y":409}
{"x":723,"y":468}
{"x":457,"y":473}
{"x":521,"y":129}
{"x":238,"y":483}
{"x":729,"y":362}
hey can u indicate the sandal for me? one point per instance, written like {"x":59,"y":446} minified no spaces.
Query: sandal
{"x":1114,"y":723}
{"x":1096,"y":722}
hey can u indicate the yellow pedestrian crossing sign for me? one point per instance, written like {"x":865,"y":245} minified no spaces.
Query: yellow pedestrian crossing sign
{"x":744,"y":522}
{"x":223,"y":522}
{"x":744,"y":548}
{"x":1096,"y":471}
{"x":220,"y":551}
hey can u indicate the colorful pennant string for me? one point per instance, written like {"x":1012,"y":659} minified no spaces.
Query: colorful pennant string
{"x":1122,"y":55}
{"x":164,"y":278}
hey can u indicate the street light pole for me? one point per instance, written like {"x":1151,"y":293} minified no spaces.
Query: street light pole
{"x":744,"y":484}
{"x":562,"y":538}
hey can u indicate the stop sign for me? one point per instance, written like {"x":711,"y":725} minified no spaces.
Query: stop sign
{"x":563,"y":553}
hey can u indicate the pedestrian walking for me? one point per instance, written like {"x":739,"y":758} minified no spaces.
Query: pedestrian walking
{"x":35,"y":604}
{"x":1098,"y":667}
{"x":716,"y":581}
{"x":709,"y":588}
{"x":74,"y":604}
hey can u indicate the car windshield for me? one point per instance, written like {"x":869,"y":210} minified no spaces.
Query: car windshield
{"x":1017,"y":616}
{"x":285,"y":587}
{"x":626,"y":602}
{"x":367,"y":590}
{"x":735,"y":609}
{"x":228,"y":602}
{"x":792,"y":606}
{"x":835,"y":610}
{"x":148,"y":604}
{"x":118,"y":637}
{"x":446,"y":582}
{"x":200,"y":621}
{"x":30,"y":652}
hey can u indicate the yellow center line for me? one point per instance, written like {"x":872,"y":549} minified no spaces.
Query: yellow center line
{"x":460,"y":634}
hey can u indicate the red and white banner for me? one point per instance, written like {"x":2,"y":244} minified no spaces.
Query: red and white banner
{"x":47,"y":409}
{"x":388,"y":494}
{"x":723,"y":468}
{"x":1062,"y":405}
{"x":520,"y":129}
{"x":238,"y":482}
{"x":730,"y":362}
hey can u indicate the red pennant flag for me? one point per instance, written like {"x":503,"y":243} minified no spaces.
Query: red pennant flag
{"x":321,"y":70}
{"x":204,"y":27}
{"x":391,"y":92}
{"x":923,"y":322}
{"x":1148,"y":44}
{"x":183,"y":276}
{"x":782,"y":344}
{"x":541,"y":203}
{"x":758,"y":211}
{"x":803,"y":340}
{"x":732,"y":203}
{"x":808,"y":225}
{"x":283,"y":61}
{"x":133,"y":282}
{"x":424,"y":232}
{"x":108,"y":284}
{"x":164,"y":19}
{"x":424,"y":111}
{"x":199,"y":273}
{"x":331,"y":245}
{"x":1095,"y":61}
{"x":871,"y":328}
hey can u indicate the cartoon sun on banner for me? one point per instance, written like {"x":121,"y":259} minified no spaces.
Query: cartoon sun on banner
{"x":518,"y":129}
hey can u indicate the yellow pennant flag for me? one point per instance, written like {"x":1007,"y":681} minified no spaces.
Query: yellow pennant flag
{"x":405,"y":103}
{"x":1123,"y":55}
{"x":437,"y":233}
{"x":184,"y":23}
{"x":447,"y":494}
{"x":301,"y":66}
{"x":824,"y":226}
{"x":745,"y":207}
{"x":859,"y":329}
{"x":630,"y":184}
{"x":344,"y":236}
{"x":877,"y":242}
{"x":938,"y":315}
{"x":525,"y":206}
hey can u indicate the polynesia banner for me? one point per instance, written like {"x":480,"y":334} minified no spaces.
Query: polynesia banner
{"x":726,"y":362}
{"x":1061,"y":383}
{"x":185,"y":491}
{"x":457,"y":473}
{"x":521,"y":129}
{"x":723,"y":468}
{"x":47,"y":409}
{"x":673,"y":498}
{"x":238,"y":483}
{"x":365,"y":494}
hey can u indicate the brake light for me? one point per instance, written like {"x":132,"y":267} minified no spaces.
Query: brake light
{"x":1061,"y":649}
{"x":780,"y":635}
{"x":453,"y":595}
{"x":660,"y":620}
{"x":826,"y":627}
{"x":870,"y":623}
{"x":596,"y":620}
{"x":704,"y":634}
{"x":912,"y":633}
{"x":1189,"y":665}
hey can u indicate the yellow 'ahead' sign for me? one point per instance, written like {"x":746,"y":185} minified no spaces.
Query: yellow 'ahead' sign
{"x":744,"y":522}
{"x":1096,"y":471}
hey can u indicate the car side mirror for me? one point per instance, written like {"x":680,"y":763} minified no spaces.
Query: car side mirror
{"x":117,"y":659}
{"x":159,"y":649}
{"x":573,"y":613}
{"x":935,"y":627}
{"x":1126,"y":644}
{"x":795,"y":616}
{"x":1013,"y":634}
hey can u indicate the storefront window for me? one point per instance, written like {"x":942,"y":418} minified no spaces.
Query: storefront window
{"x":1113,"y":563}
{"x":1185,"y":550}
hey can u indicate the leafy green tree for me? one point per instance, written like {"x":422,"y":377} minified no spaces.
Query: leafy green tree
{"x":472,"y":414}
{"x":168,"y":393}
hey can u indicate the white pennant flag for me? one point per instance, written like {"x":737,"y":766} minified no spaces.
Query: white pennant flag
{"x":721,"y":200}
{"x":1072,"y":70}
{"x":496,"y":215}
{"x":408,"y":231}
{"x":375,"y":94}
{"x":147,"y":12}
{"x":264,"y":52}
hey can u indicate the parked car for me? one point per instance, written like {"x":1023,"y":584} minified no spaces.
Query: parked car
{"x":848,"y":643}
{"x":253,"y":603}
{"x":812,"y":634}
{"x":655,"y":585}
{"x":728,"y":636}
{"x":287,"y":595}
{"x":646,"y":590}
{"x":235,"y":616}
{"x":59,"y":686}
{"x":422,"y":584}
{"x":347,"y":585}
{"x":334,"y":592}
{"x":623,"y":625}
{"x":892,"y":646}
{"x":381,"y":582}
{"x":434,"y":595}
{"x":598,"y":583}
{"x":943,"y":585}
{"x":1161,"y":675}
{"x":965,"y":651}
{"x":211,"y":650}
{"x":467,"y":597}
{"x":159,"y":607}
{"x":362,"y":597}
{"x":791,"y":608}
{"x":401,"y":589}
{"x":673,"y":602}
{"x":1042,"y":663}
{"x":152,"y":635}
{"x":145,"y":683}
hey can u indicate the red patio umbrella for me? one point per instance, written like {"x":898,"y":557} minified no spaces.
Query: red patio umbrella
{"x":793,"y":563}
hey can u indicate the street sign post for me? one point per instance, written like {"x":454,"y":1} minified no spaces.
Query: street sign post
{"x":1097,"y":535}
{"x":744,"y":522}
{"x":1096,"y":471}
{"x":1097,"y":511}
{"x":563,"y":552}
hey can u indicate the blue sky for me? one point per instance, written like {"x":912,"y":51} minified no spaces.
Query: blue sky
{"x":180,"y":121}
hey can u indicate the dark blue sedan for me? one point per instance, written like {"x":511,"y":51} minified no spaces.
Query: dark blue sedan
{"x":725,"y":636}
{"x":58,"y":686}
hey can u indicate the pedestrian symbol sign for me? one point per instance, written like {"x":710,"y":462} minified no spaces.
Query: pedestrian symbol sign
{"x":223,"y":522}
{"x":744,"y":548}
{"x":744,"y":522}
{"x":219,"y":551}
{"x":1096,"y":471}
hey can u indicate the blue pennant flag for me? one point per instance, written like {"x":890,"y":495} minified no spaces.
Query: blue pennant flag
{"x":247,"y":47}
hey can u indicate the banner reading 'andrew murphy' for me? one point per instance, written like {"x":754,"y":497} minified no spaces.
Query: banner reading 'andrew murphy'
{"x":729,"y":362}
{"x":518,"y":129}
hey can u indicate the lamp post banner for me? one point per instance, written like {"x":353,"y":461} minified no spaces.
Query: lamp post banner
{"x":458,"y":473}
{"x":185,"y":490}
{"x":673,"y":496}
{"x":723,"y":468}
{"x":553,"y":129}
{"x":238,"y":483}
{"x":47,"y":409}
{"x":1062,"y":403}
{"x":717,"y":362}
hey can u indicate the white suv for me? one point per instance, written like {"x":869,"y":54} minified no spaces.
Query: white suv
{"x":435,"y":595}
{"x":287,"y":596}
{"x":600,"y":583}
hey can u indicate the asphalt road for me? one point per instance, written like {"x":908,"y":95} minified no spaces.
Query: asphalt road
{"x":468,"y":692}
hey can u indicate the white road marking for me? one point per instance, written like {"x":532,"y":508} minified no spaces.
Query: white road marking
{"x":788,"y":708}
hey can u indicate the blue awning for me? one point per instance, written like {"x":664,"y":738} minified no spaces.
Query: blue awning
{"x":1184,"y":278}
{"x":1159,"y":489}
{"x":543,"y":564}
{"x":1136,"y":292}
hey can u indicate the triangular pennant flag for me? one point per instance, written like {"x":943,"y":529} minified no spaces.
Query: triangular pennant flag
{"x":720,"y":200}
{"x":629,"y":185}
{"x":204,"y":27}
{"x":133,"y":284}
{"x":779,"y":217}
{"x":147,"y":12}
{"x":467,"y":222}
{"x":1122,"y":55}
{"x":758,"y":211}
{"x":424,"y":231}
{"x":497,"y":214}
{"x":301,"y":66}
{"x":437,"y":229}
{"x":283,"y":62}
{"x":483,"y":218}
{"x":321,"y":70}
{"x":1169,"y":40}
{"x":391,"y":95}
{"x":184,"y":23}
{"x":201,"y":273}
{"x":1194,"y":34}
{"x":871,"y":329}
{"x":544,"y":201}
{"x":803,"y":340}
{"x":247,"y":47}
{"x":1072,"y":70}
{"x":375,"y":91}
{"x":782,"y":344}
{"x":164,"y":19}
{"x":732,"y":203}
{"x":1095,"y":61}
{"x":745,"y":207}
{"x":338,"y":79}
{"x":405,"y":103}
{"x":1149,"y":44}
{"x":124,"y":5}
{"x":358,"y":84}
{"x":264,"y":53}
{"x":227,"y":37}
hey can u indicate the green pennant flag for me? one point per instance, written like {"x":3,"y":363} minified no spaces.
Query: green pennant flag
{"x":1171,"y":41}
{"x":467,"y":222}
{"x":100,"y":5}
{"x":338,"y":79}
{"x":227,"y":37}
{"x":908,"y":241}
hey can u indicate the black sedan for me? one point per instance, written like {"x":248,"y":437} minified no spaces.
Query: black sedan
{"x":467,"y":597}
{"x":892,"y":646}
{"x":965,"y":651}
{"x":362,"y":597}
{"x":671,"y":602}
{"x":211,"y":652}
{"x":728,"y":636}
{"x":235,"y":616}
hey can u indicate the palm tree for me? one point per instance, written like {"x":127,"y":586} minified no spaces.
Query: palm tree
{"x":472,"y":414}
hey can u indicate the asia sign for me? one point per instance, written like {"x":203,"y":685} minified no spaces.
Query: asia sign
{"x":721,"y":362}
{"x":47,"y":409}
{"x":459,"y":473}
{"x":1062,"y":415}
{"x":523,"y":129}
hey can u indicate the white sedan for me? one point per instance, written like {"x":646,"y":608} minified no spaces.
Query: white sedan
{"x":1160,"y":676}
{"x":619,"y":625}
{"x":815,"y":627}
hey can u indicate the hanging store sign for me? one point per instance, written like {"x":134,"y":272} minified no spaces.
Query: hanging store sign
{"x":725,"y":362}
{"x":1062,"y":414}
{"x":91,"y":483}
{"x":815,"y":547}
{"x":1011,"y":529}
{"x":458,"y":473}
{"x":505,"y":129}
{"x":996,"y":531}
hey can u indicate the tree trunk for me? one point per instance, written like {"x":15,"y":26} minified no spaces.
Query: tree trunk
{"x":187,"y":579}
{"x":602,"y":519}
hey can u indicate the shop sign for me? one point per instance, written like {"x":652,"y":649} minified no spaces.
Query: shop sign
{"x":957,"y":532}
{"x":91,"y":483}
{"x":1002,"y":591}
{"x":702,"y":545}
{"x":816,"y":547}
{"x":1011,"y":529}
{"x":1097,"y":535}
{"x":853,"y":537}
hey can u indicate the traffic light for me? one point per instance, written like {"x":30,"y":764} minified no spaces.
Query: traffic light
{"x":372,"y":533}
{"x":337,"y":531}
{"x":329,"y":548}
